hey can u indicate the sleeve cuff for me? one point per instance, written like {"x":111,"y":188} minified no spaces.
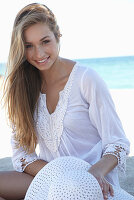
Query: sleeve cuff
{"x":120,"y":151}
{"x":21,"y":163}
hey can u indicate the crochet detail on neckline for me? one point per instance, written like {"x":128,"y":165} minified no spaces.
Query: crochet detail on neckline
{"x":50,"y":126}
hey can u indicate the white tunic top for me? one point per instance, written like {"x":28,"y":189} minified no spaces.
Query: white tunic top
{"x":84,"y":124}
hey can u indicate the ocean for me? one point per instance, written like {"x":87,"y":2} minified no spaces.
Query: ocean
{"x":117,"y":72}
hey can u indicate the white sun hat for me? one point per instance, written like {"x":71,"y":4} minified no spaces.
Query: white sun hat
{"x":65,"y":178}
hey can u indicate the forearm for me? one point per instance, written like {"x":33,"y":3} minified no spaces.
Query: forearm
{"x":33,"y":168}
{"x":105,"y":165}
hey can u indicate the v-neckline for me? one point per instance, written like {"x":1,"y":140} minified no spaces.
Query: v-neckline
{"x":61,"y":93}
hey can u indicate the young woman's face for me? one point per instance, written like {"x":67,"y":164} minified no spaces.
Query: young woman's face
{"x":41,"y":47}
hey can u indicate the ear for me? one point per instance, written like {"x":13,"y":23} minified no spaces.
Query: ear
{"x":59,"y":35}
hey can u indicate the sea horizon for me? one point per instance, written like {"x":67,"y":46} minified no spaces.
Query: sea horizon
{"x":117,"y":71}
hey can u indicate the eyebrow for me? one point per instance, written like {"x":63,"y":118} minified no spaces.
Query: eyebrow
{"x":44,"y":38}
{"x":40,"y":39}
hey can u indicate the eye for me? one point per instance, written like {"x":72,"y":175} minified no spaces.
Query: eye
{"x":46,"y":41}
{"x":27,"y":46}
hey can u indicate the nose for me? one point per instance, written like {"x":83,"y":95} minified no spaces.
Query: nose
{"x":39,"y":52}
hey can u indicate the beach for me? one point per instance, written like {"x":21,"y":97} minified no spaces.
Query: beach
{"x":123,"y":99}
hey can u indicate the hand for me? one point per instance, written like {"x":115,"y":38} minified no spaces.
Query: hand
{"x":105,"y":186}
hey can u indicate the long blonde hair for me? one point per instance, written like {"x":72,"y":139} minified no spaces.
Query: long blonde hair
{"x":23,"y":82}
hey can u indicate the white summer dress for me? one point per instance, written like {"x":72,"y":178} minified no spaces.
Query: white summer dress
{"x":84,"y":125}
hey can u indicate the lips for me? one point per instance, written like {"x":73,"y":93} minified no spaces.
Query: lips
{"x":42,"y":61}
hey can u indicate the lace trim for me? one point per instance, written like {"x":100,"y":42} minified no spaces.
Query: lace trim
{"x":22,"y":163}
{"x":50,"y":126}
{"x":120,"y":151}
{"x":25,"y":163}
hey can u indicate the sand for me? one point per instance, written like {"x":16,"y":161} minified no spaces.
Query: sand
{"x":124,"y":102}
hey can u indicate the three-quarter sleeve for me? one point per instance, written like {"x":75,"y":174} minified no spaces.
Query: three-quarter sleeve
{"x":20,"y":158}
{"x":104,"y":118}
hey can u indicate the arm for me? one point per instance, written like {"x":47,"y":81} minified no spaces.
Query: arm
{"x":33,"y":168}
{"x":102,"y":113}
{"x":104,"y":118}
{"x":105,"y":165}
{"x":101,"y":169}
{"x":23,"y":162}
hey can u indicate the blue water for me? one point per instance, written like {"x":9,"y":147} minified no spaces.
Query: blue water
{"x":117,"y":72}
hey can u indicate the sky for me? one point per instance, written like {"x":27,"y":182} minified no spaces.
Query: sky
{"x":90,"y":28}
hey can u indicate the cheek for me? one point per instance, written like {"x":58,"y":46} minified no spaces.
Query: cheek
{"x":55,"y":48}
{"x":28,"y":55}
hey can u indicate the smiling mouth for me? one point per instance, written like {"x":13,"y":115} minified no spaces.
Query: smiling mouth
{"x":42,"y":61}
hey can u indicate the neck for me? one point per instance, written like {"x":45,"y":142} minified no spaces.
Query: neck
{"x":54,"y":73}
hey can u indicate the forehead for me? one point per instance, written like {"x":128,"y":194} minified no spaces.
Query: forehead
{"x":36,"y":32}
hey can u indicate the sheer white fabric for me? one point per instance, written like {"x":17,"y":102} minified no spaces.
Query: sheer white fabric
{"x":20,"y":158}
{"x":68,"y":178}
{"x":84,"y":124}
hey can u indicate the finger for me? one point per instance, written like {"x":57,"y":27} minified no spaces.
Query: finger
{"x":105,"y":190}
{"x":101,"y":185}
{"x":99,"y":181}
{"x":105,"y":195}
{"x":111,"y":190}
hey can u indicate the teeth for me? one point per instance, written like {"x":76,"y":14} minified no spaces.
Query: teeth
{"x":41,"y":61}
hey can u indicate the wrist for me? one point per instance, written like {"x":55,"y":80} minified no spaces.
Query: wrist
{"x":96,"y":171}
{"x":104,"y":166}
{"x":33,"y":168}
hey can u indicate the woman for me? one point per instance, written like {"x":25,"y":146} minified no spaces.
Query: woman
{"x":62,"y":106}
